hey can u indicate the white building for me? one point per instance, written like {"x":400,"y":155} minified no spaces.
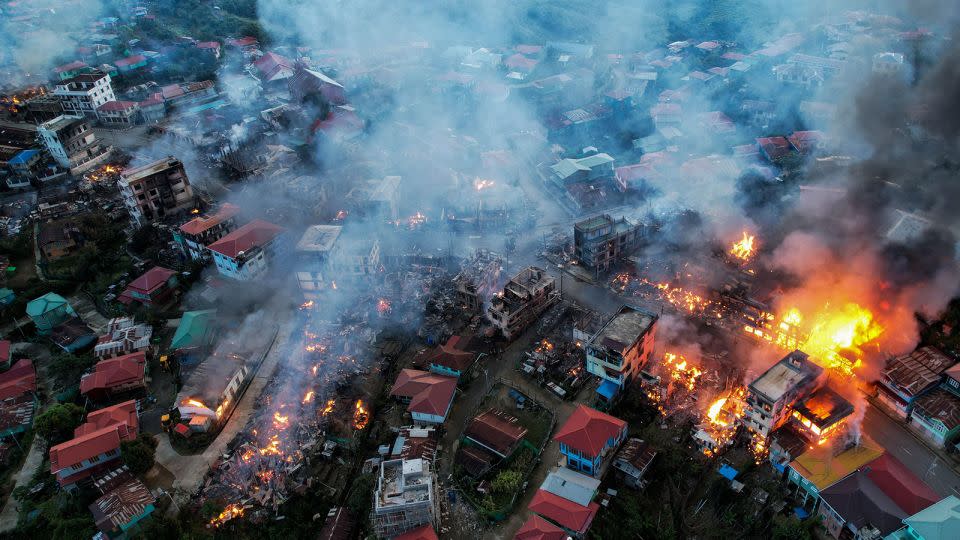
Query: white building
{"x":245,"y":253}
{"x":315,"y":253}
{"x":83,"y":94}
{"x":72,"y":144}
{"x":405,"y":497}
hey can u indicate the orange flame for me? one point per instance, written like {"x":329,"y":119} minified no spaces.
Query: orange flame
{"x":308,"y":397}
{"x":230,"y":512}
{"x":361,"y":417}
{"x":744,"y":248}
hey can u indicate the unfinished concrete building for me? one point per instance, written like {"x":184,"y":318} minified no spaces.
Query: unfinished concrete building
{"x":314,"y":256}
{"x":378,"y":199}
{"x":155,"y":190}
{"x":523,"y":299}
{"x":72,"y":143}
{"x":405,"y":497}
{"x":599,"y":241}
{"x":477,"y":279}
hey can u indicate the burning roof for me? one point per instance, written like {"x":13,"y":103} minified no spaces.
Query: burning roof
{"x":793,"y":371}
{"x":823,"y":408}
{"x":200,"y":224}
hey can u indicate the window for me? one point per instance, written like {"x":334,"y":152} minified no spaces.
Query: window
{"x":94,"y":459}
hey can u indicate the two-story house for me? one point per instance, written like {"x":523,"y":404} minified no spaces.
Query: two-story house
{"x":245,"y":253}
{"x":194,"y":236}
{"x":428,"y":396}
{"x":115,"y":376}
{"x":588,"y":437}
{"x":78,"y":459}
{"x":155,"y":287}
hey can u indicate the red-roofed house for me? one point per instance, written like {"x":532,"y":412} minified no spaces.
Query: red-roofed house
{"x":79,"y":458}
{"x":118,"y":113}
{"x":115,"y":376}
{"x":209,"y":47}
{"x":131,"y":63}
{"x":520,"y":63}
{"x":420,"y":533}
{"x":587,"y":437}
{"x":273,"y":67}
{"x":452,"y":358}
{"x":807,"y":142}
{"x":496,"y":431}
{"x":537,"y":528}
{"x":195,"y":235}
{"x":155,"y":287}
{"x":4,"y":353}
{"x":125,"y":413}
{"x":574,"y":518}
{"x":339,"y":125}
{"x":243,"y":254}
{"x":774,"y":148}
{"x":71,"y":70}
{"x":243,"y":42}
{"x":153,"y":109}
{"x":429,"y":396}
{"x":19,"y":380}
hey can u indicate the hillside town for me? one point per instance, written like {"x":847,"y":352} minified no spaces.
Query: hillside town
{"x":274,"y":269}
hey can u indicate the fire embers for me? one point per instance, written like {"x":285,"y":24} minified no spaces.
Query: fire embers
{"x":361,"y":416}
{"x":684,"y":300}
{"x":383,"y":307}
{"x":230,"y":512}
{"x":13,"y":102}
{"x":104,"y":173}
{"x":744,"y":249}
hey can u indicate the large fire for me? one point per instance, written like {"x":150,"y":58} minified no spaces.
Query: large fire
{"x":230,"y":512}
{"x":681,"y":370}
{"x":361,"y":416}
{"x":744,"y":248}
{"x":193,"y":402}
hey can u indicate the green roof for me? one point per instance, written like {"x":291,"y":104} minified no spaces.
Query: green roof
{"x":6,"y":293}
{"x":46,"y":304}
{"x":194,"y":329}
{"x":939,"y":521}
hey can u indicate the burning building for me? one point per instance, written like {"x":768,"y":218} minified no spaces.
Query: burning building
{"x":771,"y":396}
{"x":821,"y":415}
{"x":523,"y":299}
{"x":213,"y":388}
{"x":194,"y":236}
{"x":155,"y":190}
{"x":599,"y":241}
{"x":477,"y":279}
{"x":405,"y":497}
{"x":620,"y":349}
{"x":314,"y":256}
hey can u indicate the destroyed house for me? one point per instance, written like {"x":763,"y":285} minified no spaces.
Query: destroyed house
{"x":314,"y":255}
{"x":620,"y":349}
{"x":771,"y":396}
{"x":72,"y":143}
{"x":156,"y":190}
{"x":405,"y":497}
{"x":428,"y":396}
{"x":587,"y":437}
{"x":244,"y":254}
{"x":633,"y":460}
{"x":123,"y":336}
{"x":600,"y":241}
{"x":453,"y":358}
{"x":907,"y":377}
{"x":874,"y":500}
{"x":122,"y":508}
{"x":821,"y":414}
{"x":195,"y":235}
{"x":415,"y":443}
{"x":496,"y":432}
{"x":116,"y":376}
{"x":523,"y":299}
{"x":78,"y":459}
{"x":156,"y":287}
{"x":477,"y":279}
{"x":376,"y":199}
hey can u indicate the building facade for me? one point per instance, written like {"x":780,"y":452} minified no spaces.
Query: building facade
{"x":156,"y":190}
{"x":245,"y":253}
{"x":83,"y":94}
{"x":622,"y":347}
{"x":523,"y":299}
{"x":598,"y":242}
{"x":771,"y":396}
{"x":72,"y":143}
{"x":405,"y":497}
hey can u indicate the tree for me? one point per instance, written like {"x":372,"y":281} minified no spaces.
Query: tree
{"x":140,"y":453}
{"x":507,"y":482}
{"x":791,"y":528}
{"x":57,"y":423}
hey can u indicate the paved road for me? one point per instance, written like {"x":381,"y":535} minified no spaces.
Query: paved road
{"x":903,"y":445}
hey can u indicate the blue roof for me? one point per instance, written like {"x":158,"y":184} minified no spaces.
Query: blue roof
{"x":801,"y":512}
{"x":608,"y":389}
{"x":728,"y":472}
{"x":23,"y":156}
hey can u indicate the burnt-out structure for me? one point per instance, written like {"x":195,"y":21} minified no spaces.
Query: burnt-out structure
{"x":599,"y":241}
{"x":156,"y":190}
{"x":522,"y":300}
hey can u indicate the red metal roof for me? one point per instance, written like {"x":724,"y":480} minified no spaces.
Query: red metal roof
{"x":421,"y":533}
{"x":130,"y":60}
{"x":537,"y":528}
{"x":208,"y":45}
{"x":4,"y":351}
{"x":270,"y":64}
{"x":199,"y":224}
{"x":119,"y":371}
{"x":893,"y":478}
{"x":18,"y":380}
{"x":588,"y":430}
{"x":117,"y":106}
{"x":567,"y":514}
{"x":152,"y":280}
{"x":154,"y":99}
{"x":80,"y":449}
{"x":123,"y":413}
{"x":257,"y":233}
{"x":171,"y":91}
{"x":520,"y":62}
{"x":775,"y":147}
{"x":428,"y":393}
{"x":452,"y":356}
{"x":76,"y":64}
{"x":496,"y":430}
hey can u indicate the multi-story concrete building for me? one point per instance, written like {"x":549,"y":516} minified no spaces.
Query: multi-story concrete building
{"x":522,"y":300}
{"x":357,"y":257}
{"x":155,"y":190}
{"x":377,"y":199}
{"x":72,"y":143}
{"x":314,"y":256}
{"x":405,"y":497}
{"x":621,"y":348}
{"x":83,"y":94}
{"x":599,"y":241}
{"x":195,"y":235}
{"x":771,"y":396}
{"x":245,"y":253}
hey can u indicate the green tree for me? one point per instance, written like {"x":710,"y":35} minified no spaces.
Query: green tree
{"x":140,"y":453}
{"x":791,"y":528}
{"x":57,"y":423}
{"x":507,"y":482}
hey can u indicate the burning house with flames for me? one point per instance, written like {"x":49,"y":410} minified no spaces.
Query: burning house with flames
{"x":821,"y":415}
{"x":212,"y":388}
{"x":523,"y":299}
{"x":771,"y":396}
